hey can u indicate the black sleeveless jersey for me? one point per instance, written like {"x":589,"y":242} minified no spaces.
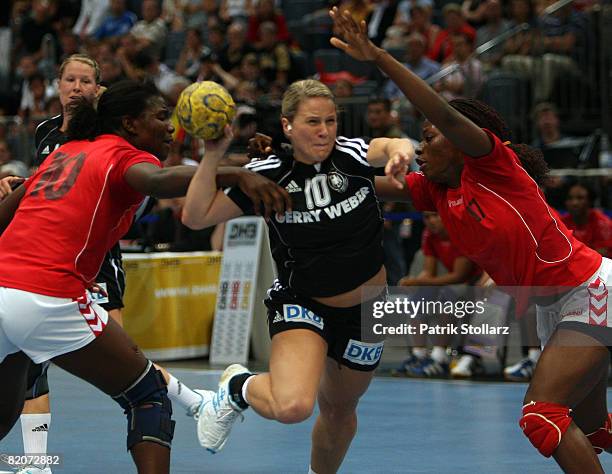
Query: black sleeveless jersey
{"x":331,"y":242}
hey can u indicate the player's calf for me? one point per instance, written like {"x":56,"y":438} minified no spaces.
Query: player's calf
{"x":148,"y":409}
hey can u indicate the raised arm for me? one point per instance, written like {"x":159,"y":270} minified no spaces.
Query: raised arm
{"x":461,"y":131}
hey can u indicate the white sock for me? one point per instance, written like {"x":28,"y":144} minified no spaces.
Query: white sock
{"x":419,"y":352}
{"x":310,"y":471}
{"x":534,"y":354}
{"x":182,"y":394}
{"x":438,"y":353}
{"x":34,"y":430}
{"x":244,"y":389}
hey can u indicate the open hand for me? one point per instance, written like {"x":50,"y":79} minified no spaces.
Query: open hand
{"x":355,"y":41}
{"x":397,"y":168}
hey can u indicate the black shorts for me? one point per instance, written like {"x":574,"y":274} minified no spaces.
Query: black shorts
{"x":113,"y":275}
{"x":341,"y":328}
{"x":37,"y":380}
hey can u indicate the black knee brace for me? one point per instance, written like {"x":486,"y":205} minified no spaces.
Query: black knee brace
{"x":148,"y":409}
{"x":38,"y":384}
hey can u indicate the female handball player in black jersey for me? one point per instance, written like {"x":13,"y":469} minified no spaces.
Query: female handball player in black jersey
{"x":486,"y":192}
{"x":328,"y":253}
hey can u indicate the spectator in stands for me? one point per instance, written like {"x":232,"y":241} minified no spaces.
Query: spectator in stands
{"x":188,"y":63}
{"x":236,"y":48}
{"x":474,"y":11}
{"x":274,"y":58}
{"x":265,"y":11}
{"x":590,"y":226}
{"x":117,"y":23}
{"x":69,"y":44}
{"x":152,"y":69}
{"x":215,"y":38}
{"x":521,"y":12}
{"x":416,"y":61}
{"x":343,"y":89}
{"x":494,"y":25}
{"x":380,"y":121}
{"x":467,"y":79}
{"x":437,"y":247}
{"x":404,"y":10}
{"x":235,"y":10}
{"x":110,"y":71}
{"x":151,"y":30}
{"x":455,"y":23}
{"x":35,"y":106}
{"x":90,"y":18}
{"x":9,"y":166}
{"x":546,"y":119}
{"x":36,"y":26}
{"x":420,"y":22}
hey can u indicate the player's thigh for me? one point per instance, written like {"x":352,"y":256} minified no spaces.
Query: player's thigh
{"x":569,"y":368}
{"x":297,"y":361}
{"x":111,"y":362}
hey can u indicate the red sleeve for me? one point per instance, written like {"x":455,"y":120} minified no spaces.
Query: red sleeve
{"x":426,"y":244}
{"x":434,"y":52}
{"x":420,"y":191}
{"x":131,"y":157}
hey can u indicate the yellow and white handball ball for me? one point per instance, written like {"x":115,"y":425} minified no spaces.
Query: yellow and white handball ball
{"x":204,"y":108}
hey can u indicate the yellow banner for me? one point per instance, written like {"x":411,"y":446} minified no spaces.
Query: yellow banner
{"x":170,"y":302}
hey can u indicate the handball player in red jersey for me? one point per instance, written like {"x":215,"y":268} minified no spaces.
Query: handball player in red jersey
{"x":486,"y":192}
{"x":57,"y":228}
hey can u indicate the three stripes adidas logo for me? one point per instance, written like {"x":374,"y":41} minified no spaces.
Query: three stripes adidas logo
{"x":292,"y":187}
{"x":43,"y":427}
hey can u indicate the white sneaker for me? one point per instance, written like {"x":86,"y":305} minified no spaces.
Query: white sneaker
{"x":194,"y":410}
{"x":217,"y":415}
{"x":34,"y":470}
{"x":463,"y":369}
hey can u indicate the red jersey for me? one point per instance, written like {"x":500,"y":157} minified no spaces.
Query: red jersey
{"x":499,"y":219}
{"x":442,"y":249}
{"x":596,"y":233}
{"x":75,"y":208}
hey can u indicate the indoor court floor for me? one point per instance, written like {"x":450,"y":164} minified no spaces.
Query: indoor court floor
{"x":406,"y":426}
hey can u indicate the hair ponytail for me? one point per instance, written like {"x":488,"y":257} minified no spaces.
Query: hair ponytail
{"x":487,"y":117}
{"x":84,"y":123}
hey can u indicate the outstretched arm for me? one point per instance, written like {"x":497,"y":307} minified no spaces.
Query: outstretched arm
{"x":461,"y":131}
{"x":395,"y":155}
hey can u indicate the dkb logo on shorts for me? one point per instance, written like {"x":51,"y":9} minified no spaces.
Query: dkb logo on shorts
{"x":297,"y":314}
{"x":363,"y":353}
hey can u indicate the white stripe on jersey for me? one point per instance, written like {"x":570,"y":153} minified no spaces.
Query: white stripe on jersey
{"x":358,"y":143}
{"x":353,"y":153}
{"x":271,"y":162}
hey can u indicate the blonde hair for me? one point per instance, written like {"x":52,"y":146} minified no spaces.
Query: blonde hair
{"x":300,"y":90}
{"x":81,"y":58}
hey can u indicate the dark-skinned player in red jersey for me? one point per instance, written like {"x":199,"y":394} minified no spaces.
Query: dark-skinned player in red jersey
{"x":486,"y":192}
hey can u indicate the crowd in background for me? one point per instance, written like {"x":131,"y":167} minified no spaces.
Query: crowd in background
{"x":255,"y":48}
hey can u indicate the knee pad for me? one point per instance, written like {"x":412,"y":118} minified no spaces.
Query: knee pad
{"x":545,"y":424}
{"x":38,"y":384}
{"x":148,"y":409}
{"x":601,"y":439}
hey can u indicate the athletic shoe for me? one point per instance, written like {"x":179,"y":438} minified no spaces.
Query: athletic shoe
{"x":34,"y":470}
{"x":466,"y":367}
{"x":403,"y":368}
{"x":428,"y":368}
{"x":194,"y":410}
{"x":521,"y":371}
{"x":217,"y":415}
